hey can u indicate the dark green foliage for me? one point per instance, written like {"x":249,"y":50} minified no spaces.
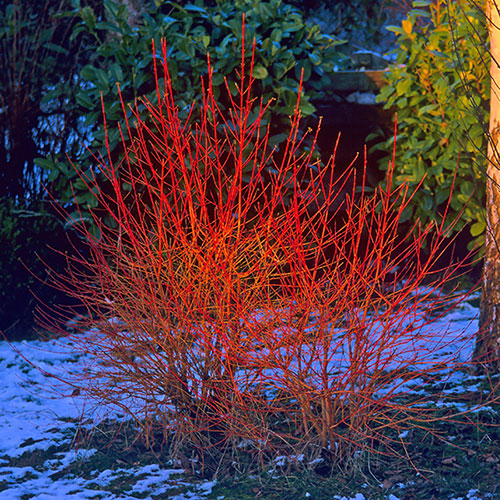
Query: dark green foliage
{"x":439,"y":87}
{"x":285,"y":46}
{"x":24,"y":236}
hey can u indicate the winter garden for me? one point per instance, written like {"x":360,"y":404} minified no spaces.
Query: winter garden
{"x":224,"y":311}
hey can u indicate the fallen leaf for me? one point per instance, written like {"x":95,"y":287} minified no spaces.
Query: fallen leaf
{"x":398,"y":478}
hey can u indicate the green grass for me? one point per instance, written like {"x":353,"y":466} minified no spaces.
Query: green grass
{"x":447,"y":461}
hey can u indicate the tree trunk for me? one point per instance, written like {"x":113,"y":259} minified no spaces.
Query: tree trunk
{"x":488,"y":341}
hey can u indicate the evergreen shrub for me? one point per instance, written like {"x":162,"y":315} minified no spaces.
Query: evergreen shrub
{"x":439,"y":87}
{"x":286,"y":45}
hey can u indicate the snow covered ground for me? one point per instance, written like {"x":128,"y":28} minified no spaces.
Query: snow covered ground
{"x":35,"y":420}
{"x":37,"y":430}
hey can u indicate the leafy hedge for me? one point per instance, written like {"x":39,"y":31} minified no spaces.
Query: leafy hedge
{"x":286,"y":46}
{"x":439,"y":87}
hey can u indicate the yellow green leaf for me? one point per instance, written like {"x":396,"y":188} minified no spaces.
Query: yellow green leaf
{"x":406,"y":25}
{"x":259,"y":72}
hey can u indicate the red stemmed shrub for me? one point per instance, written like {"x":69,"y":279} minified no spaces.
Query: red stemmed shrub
{"x":239,"y":296}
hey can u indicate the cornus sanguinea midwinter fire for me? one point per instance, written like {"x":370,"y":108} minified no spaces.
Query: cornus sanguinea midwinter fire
{"x":243,"y":297}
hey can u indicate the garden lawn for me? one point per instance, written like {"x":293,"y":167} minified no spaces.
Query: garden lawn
{"x":48,"y":452}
